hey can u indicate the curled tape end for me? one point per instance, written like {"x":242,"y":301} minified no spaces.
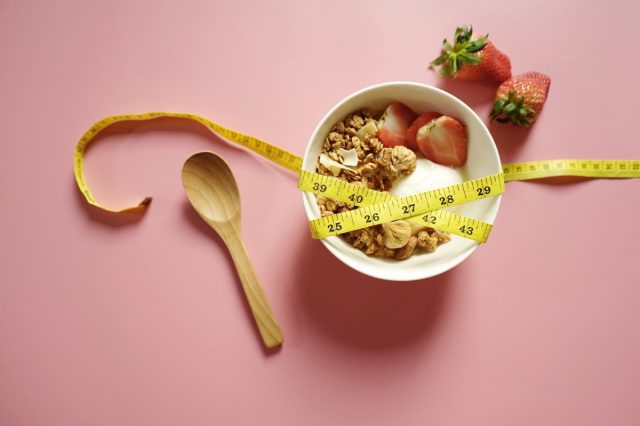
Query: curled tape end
{"x":141,"y":207}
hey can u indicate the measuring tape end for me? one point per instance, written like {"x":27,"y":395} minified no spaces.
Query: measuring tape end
{"x":141,"y":207}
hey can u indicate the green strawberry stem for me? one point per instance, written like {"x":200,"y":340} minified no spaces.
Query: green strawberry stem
{"x":512,"y":110}
{"x":462,"y":52}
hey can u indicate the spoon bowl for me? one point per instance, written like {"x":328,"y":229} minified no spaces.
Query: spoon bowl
{"x":212,"y":189}
{"x":213,"y":193}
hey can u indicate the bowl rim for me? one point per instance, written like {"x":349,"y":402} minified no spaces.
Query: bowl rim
{"x":348,"y":260}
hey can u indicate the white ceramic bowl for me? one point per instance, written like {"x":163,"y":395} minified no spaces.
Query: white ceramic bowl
{"x":483,"y":159}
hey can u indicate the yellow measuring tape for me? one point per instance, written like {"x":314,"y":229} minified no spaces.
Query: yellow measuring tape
{"x":380,"y":207}
{"x":609,"y":169}
{"x":376,"y":207}
{"x":272,"y":152}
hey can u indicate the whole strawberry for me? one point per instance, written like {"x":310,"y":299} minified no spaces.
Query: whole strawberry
{"x":519,"y":100}
{"x":472,"y":58}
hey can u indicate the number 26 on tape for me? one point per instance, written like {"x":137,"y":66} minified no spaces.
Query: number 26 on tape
{"x":371,"y":218}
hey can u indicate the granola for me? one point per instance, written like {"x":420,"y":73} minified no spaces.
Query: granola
{"x":376,"y":167}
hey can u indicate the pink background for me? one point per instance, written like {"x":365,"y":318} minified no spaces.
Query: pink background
{"x":139,"y":320}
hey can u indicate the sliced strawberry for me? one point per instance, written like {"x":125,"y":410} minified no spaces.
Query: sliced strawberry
{"x":393,"y":125}
{"x":419,"y":122}
{"x":443,"y":141}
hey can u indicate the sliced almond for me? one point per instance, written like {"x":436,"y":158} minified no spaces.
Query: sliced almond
{"x":349,"y":156}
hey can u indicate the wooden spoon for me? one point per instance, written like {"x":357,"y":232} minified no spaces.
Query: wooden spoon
{"x":213,"y":193}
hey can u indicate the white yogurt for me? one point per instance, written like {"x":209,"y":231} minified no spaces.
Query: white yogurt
{"x":428,"y":175}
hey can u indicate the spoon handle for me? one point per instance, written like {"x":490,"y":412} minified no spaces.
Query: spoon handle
{"x":262,"y":313}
